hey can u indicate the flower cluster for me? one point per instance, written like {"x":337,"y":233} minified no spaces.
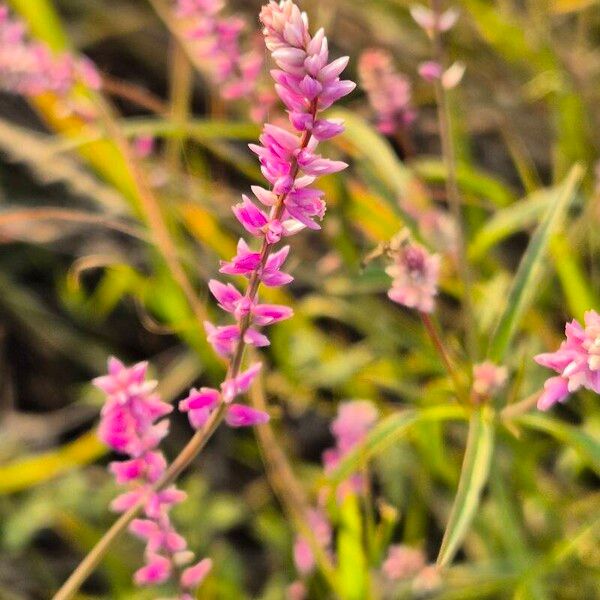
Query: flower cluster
{"x":577,"y":362}
{"x":216,"y":39}
{"x":30,"y":68}
{"x":307,"y":83}
{"x":388,"y":91}
{"x":415,"y":273}
{"x":131,"y":424}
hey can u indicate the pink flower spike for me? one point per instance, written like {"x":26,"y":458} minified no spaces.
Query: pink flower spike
{"x":354,"y":419}
{"x":303,"y":557}
{"x":240,"y":415}
{"x":193,"y":576}
{"x":389,"y":92}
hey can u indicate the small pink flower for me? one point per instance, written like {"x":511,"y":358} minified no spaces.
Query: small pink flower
{"x":231,"y":388}
{"x":156,"y":571}
{"x":414,"y":274}
{"x":193,"y":576}
{"x":403,"y":562}
{"x":353,"y":421}
{"x":488,"y":378}
{"x":240,"y":415}
{"x":431,"y":22}
{"x":144,"y":146}
{"x":430,"y":70}
{"x":577,"y":361}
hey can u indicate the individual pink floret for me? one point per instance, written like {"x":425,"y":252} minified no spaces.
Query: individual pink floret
{"x":577,"y":361}
{"x":488,"y":378}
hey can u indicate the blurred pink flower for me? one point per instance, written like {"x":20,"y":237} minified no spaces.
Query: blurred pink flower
{"x":488,"y":378}
{"x":414,"y":274}
{"x":430,"y":70}
{"x":431,"y":22}
{"x":577,"y":361}
{"x":303,"y":555}
{"x":296,"y":591}
{"x":388,"y":91}
{"x":403,"y":562}
{"x":30,"y":68}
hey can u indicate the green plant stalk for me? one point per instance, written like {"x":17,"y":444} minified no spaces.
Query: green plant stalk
{"x":453,"y":193}
{"x":439,"y":345}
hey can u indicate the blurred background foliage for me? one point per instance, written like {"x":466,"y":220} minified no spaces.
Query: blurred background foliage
{"x":91,"y":267}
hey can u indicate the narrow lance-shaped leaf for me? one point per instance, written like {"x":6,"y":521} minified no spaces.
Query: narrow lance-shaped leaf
{"x":530,"y":269}
{"x":474,"y":476}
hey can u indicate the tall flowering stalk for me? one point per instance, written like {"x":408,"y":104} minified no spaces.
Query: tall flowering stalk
{"x":435,"y":22}
{"x":132,"y":424}
{"x":307,"y":83}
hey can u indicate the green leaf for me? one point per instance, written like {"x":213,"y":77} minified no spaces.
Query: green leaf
{"x":580,"y":296}
{"x":473,"y":477}
{"x":529,"y":273}
{"x":388,"y":431}
{"x":470,"y":181}
{"x":587,"y":446}
{"x":508,"y":221}
{"x":352,"y":563}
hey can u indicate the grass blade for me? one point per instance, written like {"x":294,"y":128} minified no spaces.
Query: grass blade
{"x":474,"y":475}
{"x":530,"y":270}
{"x":583,"y":443}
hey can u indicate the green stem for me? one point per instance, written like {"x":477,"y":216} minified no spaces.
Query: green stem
{"x":452,"y":191}
{"x":443,"y":352}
